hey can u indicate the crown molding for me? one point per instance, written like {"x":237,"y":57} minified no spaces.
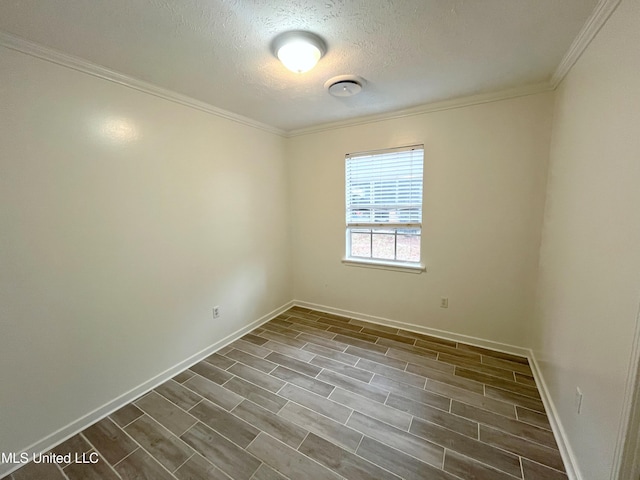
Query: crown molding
{"x":598,"y":18}
{"x":27,"y":47}
{"x":22,"y":45}
{"x":592,"y":26}
{"x":428,"y":108}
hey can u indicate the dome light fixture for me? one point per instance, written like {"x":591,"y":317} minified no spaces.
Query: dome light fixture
{"x":298,"y":50}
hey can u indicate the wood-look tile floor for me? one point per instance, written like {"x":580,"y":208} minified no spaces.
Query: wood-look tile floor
{"x":312,"y":396}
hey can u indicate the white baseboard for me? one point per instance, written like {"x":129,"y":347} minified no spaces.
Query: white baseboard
{"x":573,"y":473}
{"x":108,"y":408}
{"x":98,"y":414}
{"x":568,"y":457}
{"x":456,"y":337}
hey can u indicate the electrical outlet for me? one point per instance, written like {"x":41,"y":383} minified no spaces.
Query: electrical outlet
{"x":216,"y":312}
{"x":444,"y":302}
{"x":578,"y":402}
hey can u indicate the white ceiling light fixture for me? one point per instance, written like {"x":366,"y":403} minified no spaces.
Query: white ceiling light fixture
{"x":298,"y":50}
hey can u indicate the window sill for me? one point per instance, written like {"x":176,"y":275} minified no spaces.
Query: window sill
{"x":396,"y":267}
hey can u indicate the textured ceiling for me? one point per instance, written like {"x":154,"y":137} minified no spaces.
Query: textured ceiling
{"x":410,"y":52}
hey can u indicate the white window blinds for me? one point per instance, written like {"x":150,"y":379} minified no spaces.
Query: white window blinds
{"x":385,"y":187}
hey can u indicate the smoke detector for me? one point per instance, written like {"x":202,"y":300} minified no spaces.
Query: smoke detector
{"x":344,"y":85}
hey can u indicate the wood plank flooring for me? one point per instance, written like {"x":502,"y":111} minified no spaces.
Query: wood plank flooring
{"x":317,"y":396}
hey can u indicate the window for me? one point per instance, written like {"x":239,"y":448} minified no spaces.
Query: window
{"x":384,"y":206}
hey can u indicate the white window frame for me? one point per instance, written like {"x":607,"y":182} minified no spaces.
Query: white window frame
{"x":412,"y":211}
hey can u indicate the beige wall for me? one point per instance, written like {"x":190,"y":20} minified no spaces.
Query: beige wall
{"x":485,"y":173}
{"x":589,"y":287}
{"x":125,"y":218}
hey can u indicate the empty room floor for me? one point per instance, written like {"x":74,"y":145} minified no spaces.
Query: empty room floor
{"x":317,"y":396}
